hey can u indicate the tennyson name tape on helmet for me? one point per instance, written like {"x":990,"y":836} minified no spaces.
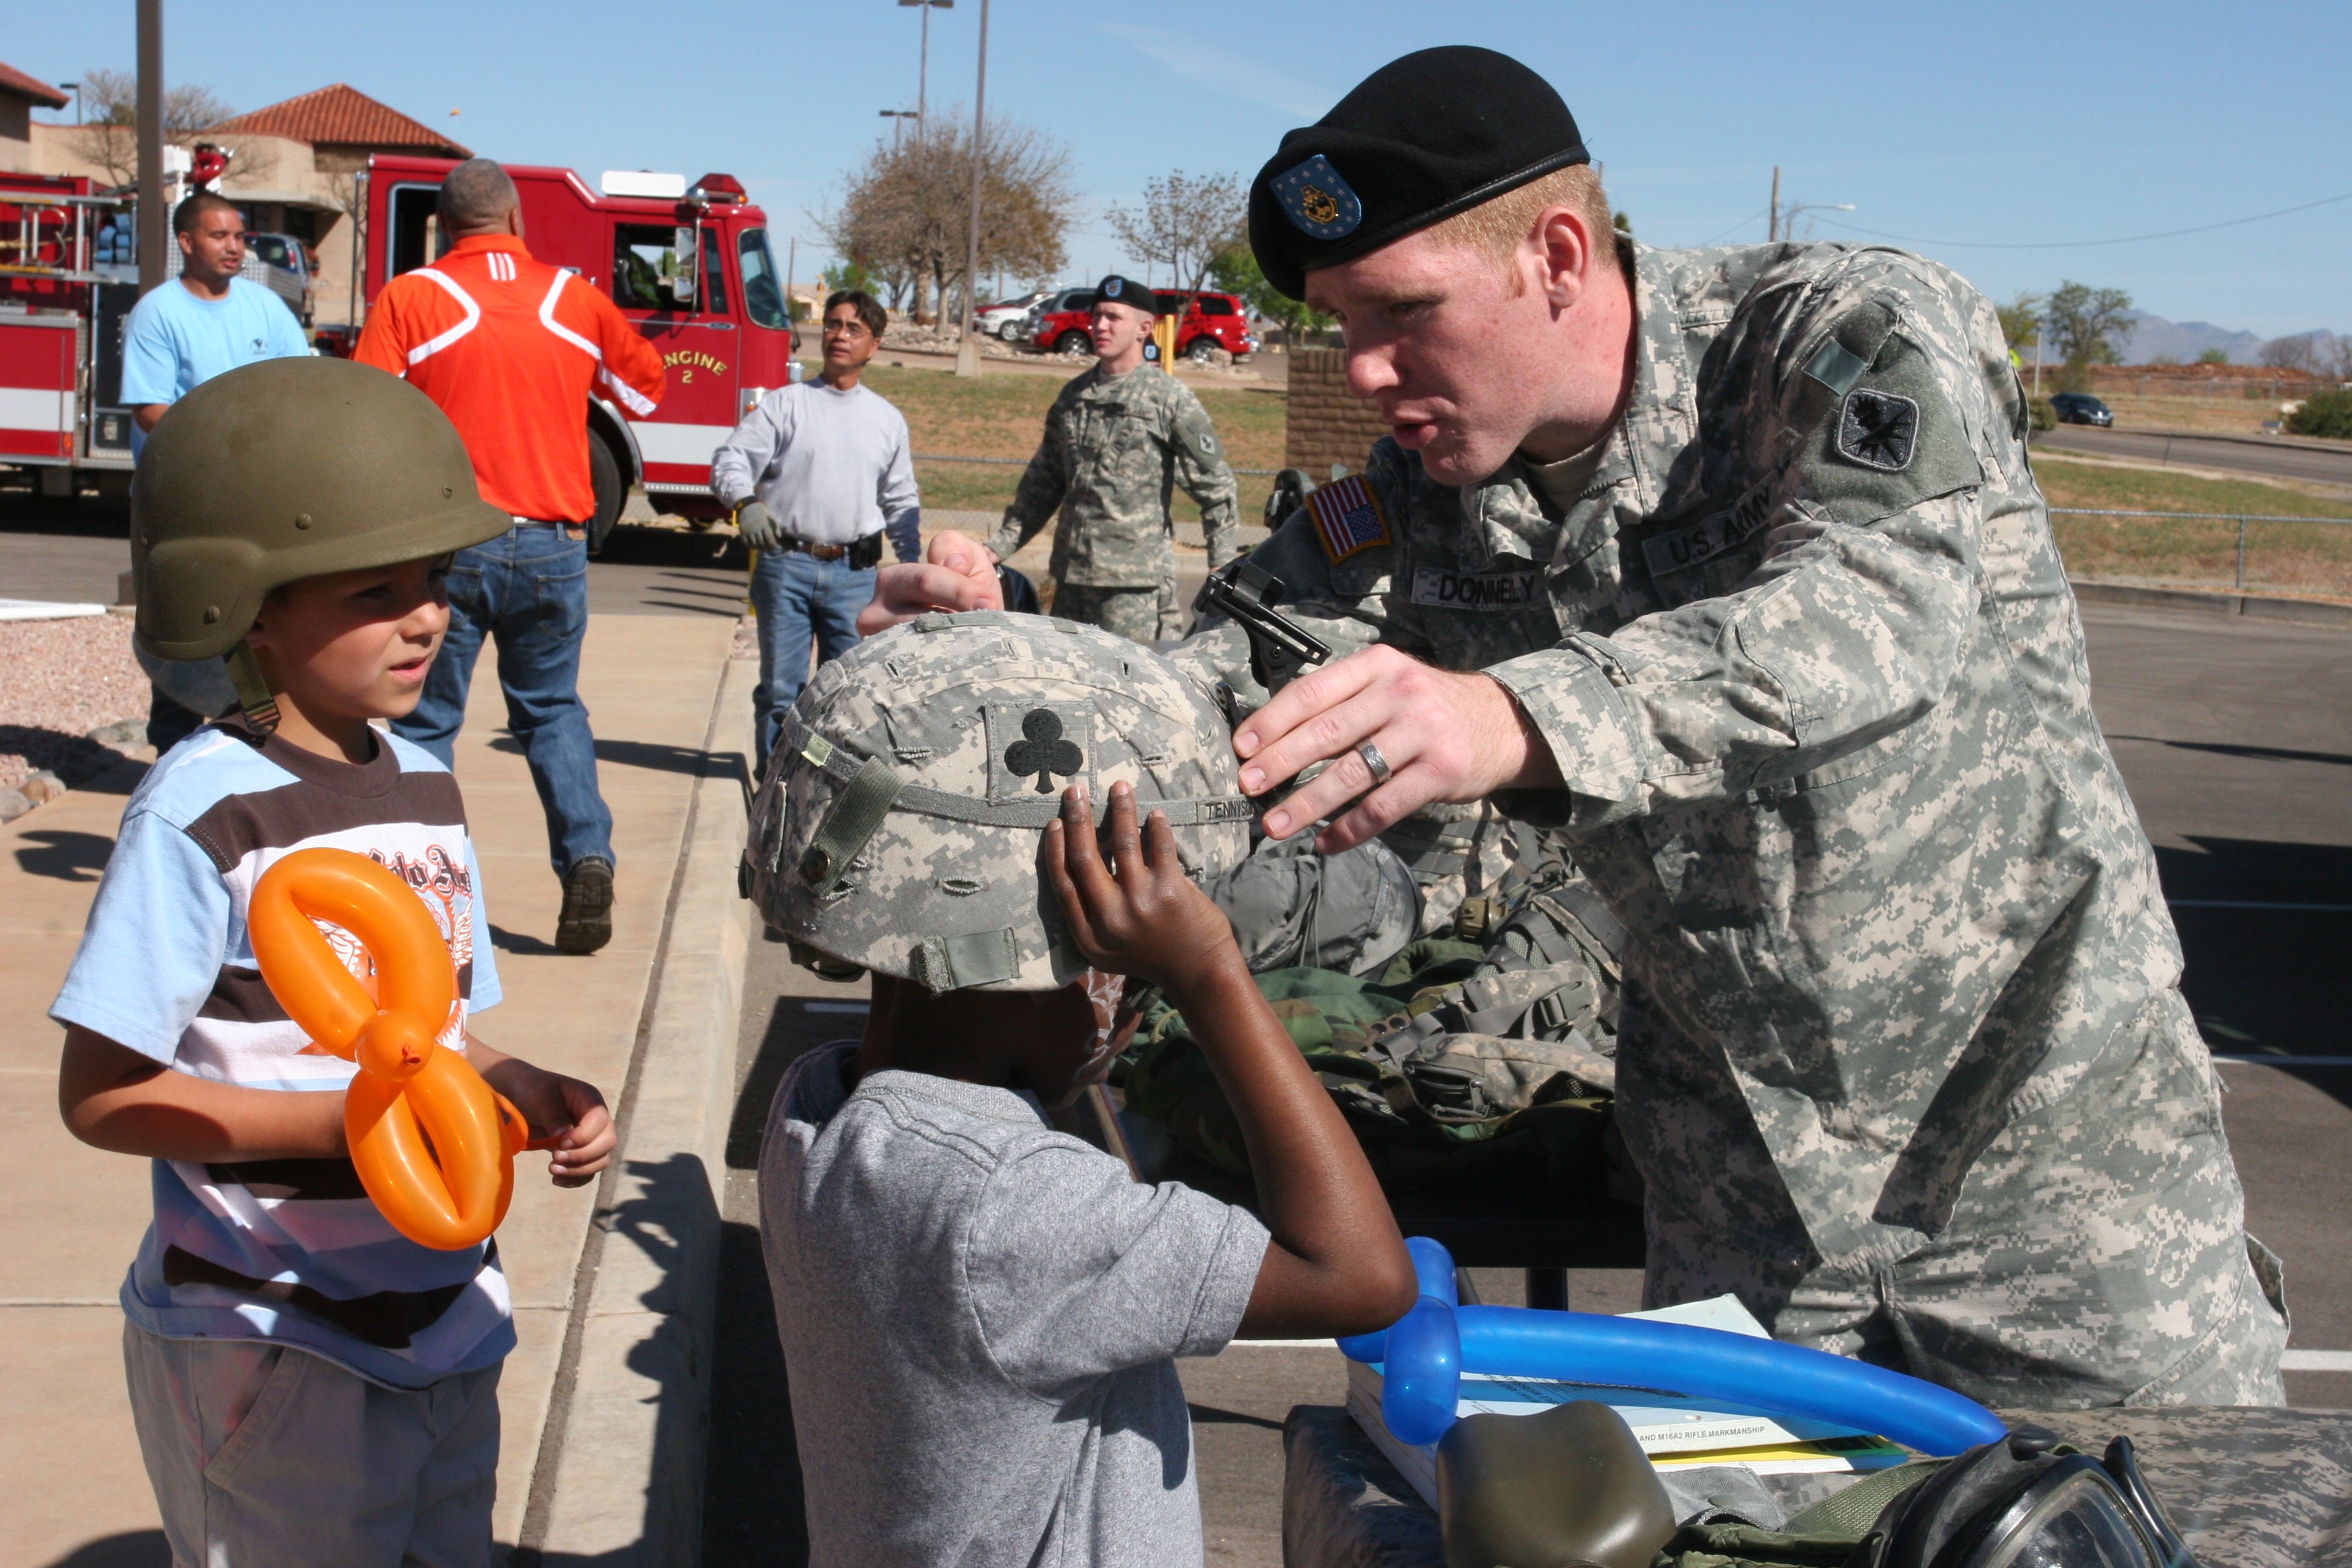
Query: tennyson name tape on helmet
{"x":899,"y":827}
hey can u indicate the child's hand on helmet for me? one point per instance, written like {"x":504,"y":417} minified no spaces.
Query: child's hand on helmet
{"x":1143,"y":916}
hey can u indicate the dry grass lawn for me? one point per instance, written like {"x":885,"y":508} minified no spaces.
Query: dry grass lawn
{"x":1003,"y":415}
{"x":2300,"y":560}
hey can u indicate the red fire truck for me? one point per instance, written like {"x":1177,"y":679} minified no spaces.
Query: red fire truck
{"x":61,"y":309}
{"x":690,"y":264}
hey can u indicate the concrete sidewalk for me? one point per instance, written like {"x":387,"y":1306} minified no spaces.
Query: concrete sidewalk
{"x":668,"y":718}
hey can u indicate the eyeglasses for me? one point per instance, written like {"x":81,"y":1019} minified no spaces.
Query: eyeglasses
{"x":847,"y":329}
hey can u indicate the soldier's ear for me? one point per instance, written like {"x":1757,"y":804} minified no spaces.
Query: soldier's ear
{"x":1558,"y":250}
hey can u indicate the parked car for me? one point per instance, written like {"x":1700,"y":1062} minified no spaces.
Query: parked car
{"x":1058,"y":324}
{"x":1000,"y":319}
{"x":2081,"y":408}
{"x":1214,"y":321}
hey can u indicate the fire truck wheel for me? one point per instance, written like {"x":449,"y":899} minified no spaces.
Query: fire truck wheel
{"x":604,"y":474}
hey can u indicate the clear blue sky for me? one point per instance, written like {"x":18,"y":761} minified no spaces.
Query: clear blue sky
{"x":1967,"y":120}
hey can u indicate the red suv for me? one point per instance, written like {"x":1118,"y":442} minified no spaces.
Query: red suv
{"x":1214,"y":321}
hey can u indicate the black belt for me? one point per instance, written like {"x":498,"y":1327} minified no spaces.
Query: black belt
{"x":861,"y":552}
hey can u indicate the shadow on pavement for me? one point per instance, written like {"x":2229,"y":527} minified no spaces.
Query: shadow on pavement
{"x":132,"y":1549}
{"x":652,"y":756}
{"x":2264,"y":980}
{"x":64,"y":854}
{"x":24,"y":513}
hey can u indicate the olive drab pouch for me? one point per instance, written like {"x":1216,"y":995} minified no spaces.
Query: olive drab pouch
{"x":1456,"y":1064}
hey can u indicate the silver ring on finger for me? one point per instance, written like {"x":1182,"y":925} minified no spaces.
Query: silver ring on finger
{"x":1374,"y":764}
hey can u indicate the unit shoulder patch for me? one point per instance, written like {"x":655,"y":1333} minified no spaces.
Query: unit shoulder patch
{"x":1878,"y":430}
{"x":1348,"y":518}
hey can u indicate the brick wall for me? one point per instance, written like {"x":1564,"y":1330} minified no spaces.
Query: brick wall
{"x":1326,"y":425}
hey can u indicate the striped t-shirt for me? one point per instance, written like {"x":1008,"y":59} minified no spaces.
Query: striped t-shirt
{"x":289,"y":1250}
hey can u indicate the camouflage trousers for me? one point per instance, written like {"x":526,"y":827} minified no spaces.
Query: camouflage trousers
{"x":1145,"y":615}
{"x":2095,"y":1252}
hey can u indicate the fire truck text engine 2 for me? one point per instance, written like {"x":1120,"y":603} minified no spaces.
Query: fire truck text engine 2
{"x":690,"y":265}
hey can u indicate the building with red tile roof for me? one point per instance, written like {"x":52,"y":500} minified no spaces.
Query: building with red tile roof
{"x":20,"y":95}
{"x":342,"y":122}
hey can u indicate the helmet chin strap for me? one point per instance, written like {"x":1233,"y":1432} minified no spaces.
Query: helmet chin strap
{"x":252,"y":691}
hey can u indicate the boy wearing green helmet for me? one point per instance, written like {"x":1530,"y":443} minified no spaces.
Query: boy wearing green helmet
{"x":980,"y":1314}
{"x":308,"y":1386}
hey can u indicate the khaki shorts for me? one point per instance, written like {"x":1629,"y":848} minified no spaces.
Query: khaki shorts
{"x":262,"y":1456}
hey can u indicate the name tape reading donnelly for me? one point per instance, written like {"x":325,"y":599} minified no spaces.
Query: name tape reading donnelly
{"x":1489,"y":591}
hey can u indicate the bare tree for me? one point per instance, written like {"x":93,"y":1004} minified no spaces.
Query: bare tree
{"x":905,"y":213}
{"x":1186,"y":222}
{"x":109,"y":135}
{"x":2299,"y":353}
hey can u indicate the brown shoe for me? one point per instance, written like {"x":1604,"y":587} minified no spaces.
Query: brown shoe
{"x":586,"y":923}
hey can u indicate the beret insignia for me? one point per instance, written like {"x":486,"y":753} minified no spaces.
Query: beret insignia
{"x":1317,"y":201}
{"x":1113,"y":286}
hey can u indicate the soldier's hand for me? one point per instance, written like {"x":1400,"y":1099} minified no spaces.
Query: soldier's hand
{"x":1143,"y":916}
{"x":1445,"y":736}
{"x":759,"y":531}
{"x":956,"y":573}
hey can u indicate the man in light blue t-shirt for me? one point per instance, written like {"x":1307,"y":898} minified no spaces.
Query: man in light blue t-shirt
{"x":181,"y":335}
{"x":187,"y":332}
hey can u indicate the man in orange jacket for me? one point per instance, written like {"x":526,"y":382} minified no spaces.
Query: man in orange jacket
{"x":511,"y":349}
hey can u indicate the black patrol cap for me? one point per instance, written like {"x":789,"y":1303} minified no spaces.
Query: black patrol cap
{"x":1117,"y":290}
{"x":1421,"y":138}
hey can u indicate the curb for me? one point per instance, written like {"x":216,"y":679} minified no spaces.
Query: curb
{"x":2252,"y":606}
{"x":619,"y":1478}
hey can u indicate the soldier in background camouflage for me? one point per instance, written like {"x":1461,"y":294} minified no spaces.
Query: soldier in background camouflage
{"x":1119,"y":439}
{"x":1903,"y":1056}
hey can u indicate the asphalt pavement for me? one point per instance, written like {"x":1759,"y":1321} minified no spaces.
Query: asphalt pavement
{"x":2233,"y":454}
{"x":78,"y":550}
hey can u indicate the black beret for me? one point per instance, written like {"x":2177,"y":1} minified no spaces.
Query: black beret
{"x":1116,"y":291}
{"x":1419,"y":140}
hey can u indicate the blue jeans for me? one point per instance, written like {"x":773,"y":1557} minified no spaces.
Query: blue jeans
{"x":529,"y":589}
{"x":797,"y":596}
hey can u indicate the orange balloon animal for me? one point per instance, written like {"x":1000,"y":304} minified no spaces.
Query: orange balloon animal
{"x":435,"y":1145}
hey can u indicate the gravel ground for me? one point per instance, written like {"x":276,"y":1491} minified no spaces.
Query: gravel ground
{"x":59,"y":681}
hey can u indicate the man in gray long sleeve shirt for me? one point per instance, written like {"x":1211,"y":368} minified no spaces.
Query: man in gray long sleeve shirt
{"x":817,"y":473}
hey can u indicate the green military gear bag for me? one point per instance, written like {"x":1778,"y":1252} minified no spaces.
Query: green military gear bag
{"x":1457,"y":1064}
{"x":286,"y":470}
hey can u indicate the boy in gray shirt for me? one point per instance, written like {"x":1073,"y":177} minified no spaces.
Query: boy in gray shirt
{"x":979,"y":1314}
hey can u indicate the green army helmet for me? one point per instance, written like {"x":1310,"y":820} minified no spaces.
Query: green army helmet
{"x":286,"y":470}
{"x":899,"y":827}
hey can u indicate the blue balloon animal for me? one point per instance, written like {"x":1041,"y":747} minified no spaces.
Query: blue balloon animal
{"x":1424,"y":1354}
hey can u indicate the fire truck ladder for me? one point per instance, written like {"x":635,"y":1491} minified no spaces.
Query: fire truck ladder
{"x":41,"y":246}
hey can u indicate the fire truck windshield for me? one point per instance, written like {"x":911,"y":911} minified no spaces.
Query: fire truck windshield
{"x":763,"y":295}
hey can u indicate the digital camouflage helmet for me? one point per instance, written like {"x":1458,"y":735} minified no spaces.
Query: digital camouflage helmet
{"x":899,"y":824}
{"x":281,"y":470}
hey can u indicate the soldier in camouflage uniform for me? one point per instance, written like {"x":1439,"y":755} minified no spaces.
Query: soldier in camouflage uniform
{"x":1789,"y":653}
{"x":1117,"y":441}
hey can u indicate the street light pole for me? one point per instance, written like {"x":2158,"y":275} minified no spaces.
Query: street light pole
{"x":896,"y":117}
{"x":923,"y":68}
{"x":1772,"y":223}
{"x":967,"y":344}
{"x":152,"y":226}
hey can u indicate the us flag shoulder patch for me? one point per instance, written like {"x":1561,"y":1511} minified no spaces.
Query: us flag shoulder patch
{"x":1347,"y":517}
